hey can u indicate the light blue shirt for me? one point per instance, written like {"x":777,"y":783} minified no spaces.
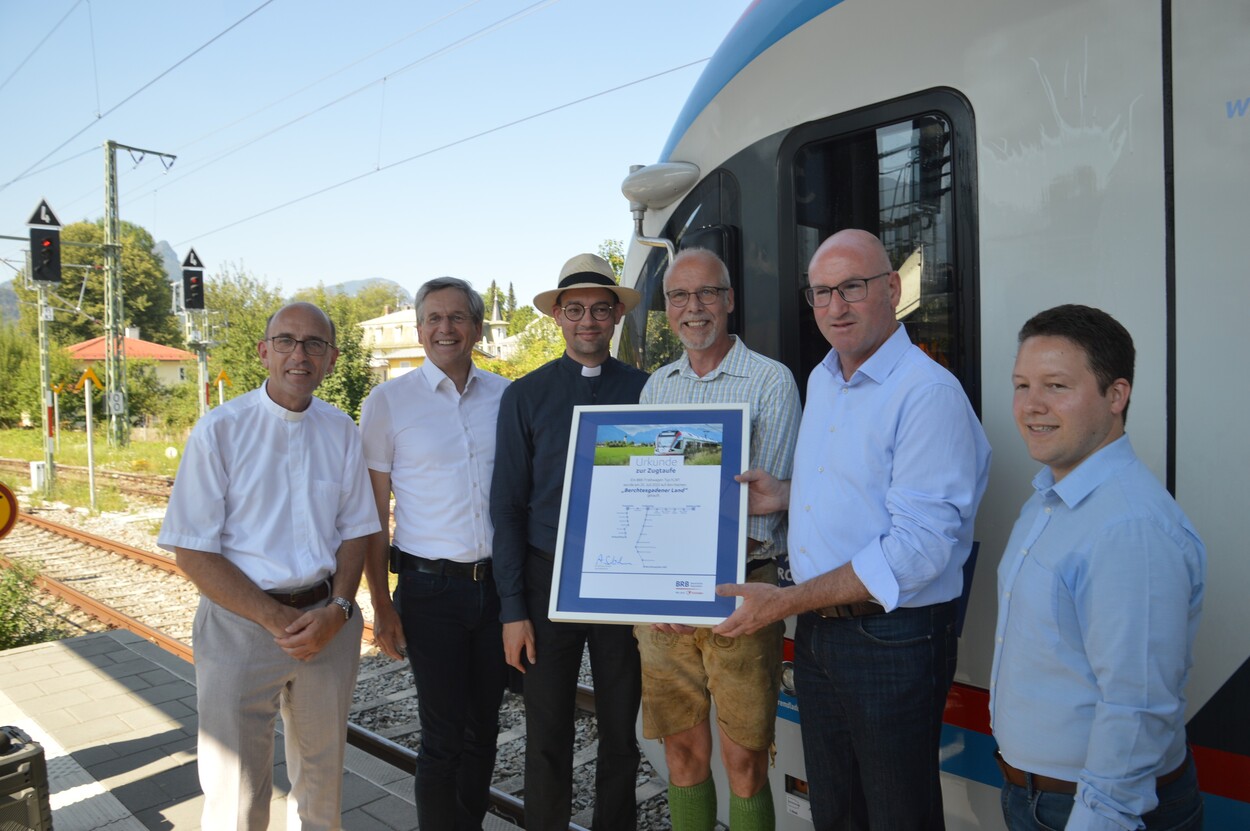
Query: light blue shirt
{"x":888,"y":472}
{"x":743,"y":377}
{"x":1099,"y":595}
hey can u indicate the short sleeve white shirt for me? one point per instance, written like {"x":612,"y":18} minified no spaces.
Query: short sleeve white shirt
{"x":273,"y":491}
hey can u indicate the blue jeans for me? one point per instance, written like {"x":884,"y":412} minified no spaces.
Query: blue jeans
{"x":1179,"y":809}
{"x":871,"y":693}
{"x":455,"y":644}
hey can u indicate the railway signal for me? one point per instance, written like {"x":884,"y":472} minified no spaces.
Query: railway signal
{"x":45,"y":244}
{"x":192,"y":289}
{"x":192,"y":282}
{"x":45,"y":254}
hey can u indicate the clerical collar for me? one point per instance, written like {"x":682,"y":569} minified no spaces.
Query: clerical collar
{"x":592,"y":371}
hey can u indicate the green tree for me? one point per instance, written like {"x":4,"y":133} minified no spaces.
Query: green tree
{"x":492,"y":296}
{"x":182,"y":407}
{"x":15,"y":351}
{"x":61,"y":370}
{"x":521,"y":318}
{"x":374,"y":299}
{"x":146,"y":395}
{"x":369,"y":302}
{"x":241,"y":304}
{"x":613,"y":250}
{"x":541,"y":342}
{"x":348,"y":384}
{"x":145,"y":287}
{"x":510,"y":308}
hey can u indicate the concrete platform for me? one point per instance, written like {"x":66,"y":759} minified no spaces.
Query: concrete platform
{"x":117,"y":720}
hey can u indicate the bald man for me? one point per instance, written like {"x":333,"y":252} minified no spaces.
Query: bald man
{"x":270,"y":517}
{"x":890,"y":466}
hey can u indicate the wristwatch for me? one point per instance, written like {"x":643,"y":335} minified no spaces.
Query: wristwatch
{"x":346,"y":605}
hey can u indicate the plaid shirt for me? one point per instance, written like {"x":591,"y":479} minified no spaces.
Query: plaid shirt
{"x":743,"y":377}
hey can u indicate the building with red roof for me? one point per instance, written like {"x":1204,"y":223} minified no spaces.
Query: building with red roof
{"x":172,"y":365}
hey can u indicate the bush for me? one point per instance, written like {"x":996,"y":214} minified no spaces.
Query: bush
{"x":18,"y":626}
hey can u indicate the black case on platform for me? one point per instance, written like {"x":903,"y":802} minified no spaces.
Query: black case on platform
{"x":23,"y":783}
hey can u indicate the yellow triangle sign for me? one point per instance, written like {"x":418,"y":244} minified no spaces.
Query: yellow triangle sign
{"x":87,"y":374}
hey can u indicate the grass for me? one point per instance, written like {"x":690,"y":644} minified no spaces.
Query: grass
{"x":620,"y":455}
{"x":146,"y":457}
{"x":137,"y":457}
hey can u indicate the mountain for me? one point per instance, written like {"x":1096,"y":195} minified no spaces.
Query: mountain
{"x":173,"y":266}
{"x":353,"y":287}
{"x":8,"y":303}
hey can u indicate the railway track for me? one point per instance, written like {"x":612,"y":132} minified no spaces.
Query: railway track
{"x":146,"y":593}
{"x":135,"y":484}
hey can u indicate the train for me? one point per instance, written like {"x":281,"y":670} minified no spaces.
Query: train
{"x":1012,"y":155}
{"x":674,"y":442}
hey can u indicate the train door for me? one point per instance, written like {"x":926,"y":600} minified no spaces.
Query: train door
{"x":904,"y":171}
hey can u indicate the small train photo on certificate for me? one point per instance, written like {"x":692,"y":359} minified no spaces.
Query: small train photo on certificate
{"x":652,"y":519}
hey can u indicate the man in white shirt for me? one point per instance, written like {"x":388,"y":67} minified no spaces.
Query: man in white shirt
{"x":429,"y":437}
{"x":269,"y":518}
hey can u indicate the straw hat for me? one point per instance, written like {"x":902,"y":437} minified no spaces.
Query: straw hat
{"x":586,"y":271}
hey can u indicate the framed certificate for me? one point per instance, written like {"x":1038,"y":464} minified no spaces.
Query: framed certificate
{"x":652,"y":518}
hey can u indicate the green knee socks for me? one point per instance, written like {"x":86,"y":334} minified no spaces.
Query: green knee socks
{"x":693,"y":808}
{"x":754,"y":813}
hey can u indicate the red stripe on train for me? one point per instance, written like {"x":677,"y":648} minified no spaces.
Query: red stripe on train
{"x":1219,"y":772}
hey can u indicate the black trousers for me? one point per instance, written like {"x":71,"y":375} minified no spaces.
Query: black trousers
{"x":550,"y":690}
{"x":455,"y":646}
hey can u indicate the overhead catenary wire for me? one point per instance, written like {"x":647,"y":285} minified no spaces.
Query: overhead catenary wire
{"x":271,"y":104}
{"x":39,"y":45}
{"x":195,"y":168}
{"x":132,"y":95}
{"x":441,"y":148}
{"x":95,"y":66}
{"x":380,"y":81}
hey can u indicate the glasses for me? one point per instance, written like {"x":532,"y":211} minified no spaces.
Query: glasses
{"x":707,"y":295}
{"x":455,"y":319}
{"x":313,"y":347}
{"x":599,"y":311}
{"x":852,"y":291}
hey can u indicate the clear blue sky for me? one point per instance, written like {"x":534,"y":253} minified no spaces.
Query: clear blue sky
{"x":511,"y":205}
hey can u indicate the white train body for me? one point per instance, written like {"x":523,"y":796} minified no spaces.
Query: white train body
{"x":1014,"y":155}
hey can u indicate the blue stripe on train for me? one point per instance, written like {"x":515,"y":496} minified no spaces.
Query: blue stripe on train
{"x":970,"y":755}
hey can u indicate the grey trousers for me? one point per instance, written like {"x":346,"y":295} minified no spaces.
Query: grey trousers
{"x":243,"y":681}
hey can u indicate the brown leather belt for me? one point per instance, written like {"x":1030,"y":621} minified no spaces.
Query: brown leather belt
{"x":862,"y":609}
{"x":476,"y":571}
{"x":303,"y":598}
{"x":1046,"y":784}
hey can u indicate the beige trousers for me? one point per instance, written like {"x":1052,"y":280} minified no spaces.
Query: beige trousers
{"x":243,"y":681}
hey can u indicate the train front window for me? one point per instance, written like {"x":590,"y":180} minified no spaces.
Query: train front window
{"x":898,"y":178}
